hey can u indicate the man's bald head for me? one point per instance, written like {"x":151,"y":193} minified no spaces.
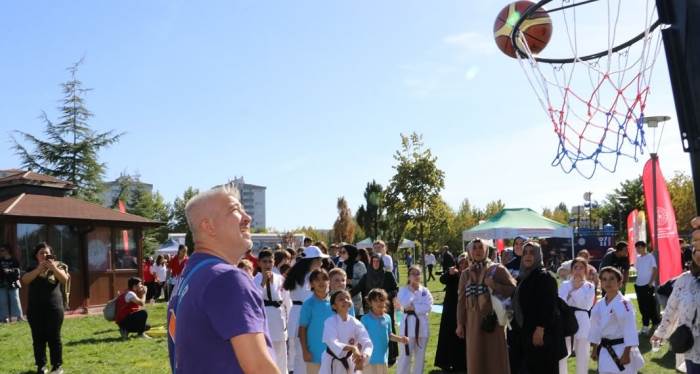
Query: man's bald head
{"x":207,"y":206}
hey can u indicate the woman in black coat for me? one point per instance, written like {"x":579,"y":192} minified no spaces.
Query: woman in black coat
{"x":451,"y":350}
{"x":535,"y":306}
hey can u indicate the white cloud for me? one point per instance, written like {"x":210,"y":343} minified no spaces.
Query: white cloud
{"x":471,"y":73}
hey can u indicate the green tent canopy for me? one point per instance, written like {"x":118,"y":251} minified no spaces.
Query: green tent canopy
{"x":509,"y":223}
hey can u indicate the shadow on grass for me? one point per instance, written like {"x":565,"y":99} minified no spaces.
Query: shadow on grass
{"x":111,"y":339}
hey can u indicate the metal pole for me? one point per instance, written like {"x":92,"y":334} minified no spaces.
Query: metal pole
{"x":654,"y":159}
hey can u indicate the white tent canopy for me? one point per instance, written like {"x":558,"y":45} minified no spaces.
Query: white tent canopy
{"x":365,"y":243}
{"x":168,"y":248}
{"x":407,"y":244}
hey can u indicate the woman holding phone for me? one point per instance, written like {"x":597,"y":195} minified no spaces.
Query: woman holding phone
{"x":45,"y":306}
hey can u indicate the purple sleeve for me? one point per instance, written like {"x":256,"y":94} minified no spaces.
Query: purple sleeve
{"x":233,"y":305}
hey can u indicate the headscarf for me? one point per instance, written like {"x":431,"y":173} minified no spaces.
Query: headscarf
{"x":375,"y":278}
{"x":524,"y":273}
{"x":481,"y":263}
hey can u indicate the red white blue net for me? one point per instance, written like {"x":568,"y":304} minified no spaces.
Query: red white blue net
{"x":596,"y":107}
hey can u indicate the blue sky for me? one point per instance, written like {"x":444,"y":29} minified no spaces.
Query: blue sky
{"x":306,"y":97}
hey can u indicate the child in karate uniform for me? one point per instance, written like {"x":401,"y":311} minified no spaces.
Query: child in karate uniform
{"x":579,"y":294}
{"x":378,"y":325}
{"x":277,"y":306}
{"x":613,"y":329}
{"x":416,"y":302}
{"x":348,"y":347}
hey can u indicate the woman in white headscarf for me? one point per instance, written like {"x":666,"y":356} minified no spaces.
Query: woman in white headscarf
{"x":535,"y":305}
{"x":487,"y":351}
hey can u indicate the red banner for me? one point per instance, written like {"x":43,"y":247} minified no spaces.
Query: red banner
{"x":500,"y":245}
{"x":632,"y":236}
{"x":669,"y":252}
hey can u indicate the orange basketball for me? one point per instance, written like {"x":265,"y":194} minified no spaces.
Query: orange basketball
{"x":537,"y":29}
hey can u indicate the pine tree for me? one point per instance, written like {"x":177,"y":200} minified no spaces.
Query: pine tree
{"x":71,"y":149}
{"x":154,"y":207}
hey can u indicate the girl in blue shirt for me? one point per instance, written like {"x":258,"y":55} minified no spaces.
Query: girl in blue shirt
{"x":378,"y":325}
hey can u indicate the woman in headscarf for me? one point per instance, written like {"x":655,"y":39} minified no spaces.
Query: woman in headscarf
{"x":377,"y":277}
{"x":535,"y":309}
{"x":487,"y":351}
{"x":451,"y":351}
{"x":355,"y":270}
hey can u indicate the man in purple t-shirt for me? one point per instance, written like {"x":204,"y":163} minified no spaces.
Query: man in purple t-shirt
{"x":217,"y":323}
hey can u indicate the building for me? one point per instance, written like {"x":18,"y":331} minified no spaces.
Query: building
{"x":113,"y":189}
{"x":101,"y":247}
{"x":253,"y":200}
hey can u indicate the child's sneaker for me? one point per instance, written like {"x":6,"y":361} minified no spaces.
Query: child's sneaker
{"x":123,"y":333}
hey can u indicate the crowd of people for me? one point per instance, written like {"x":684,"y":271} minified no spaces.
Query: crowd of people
{"x":340,"y":309}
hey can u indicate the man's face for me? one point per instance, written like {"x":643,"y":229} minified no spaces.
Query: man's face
{"x":642,"y":250}
{"x":621,"y":253}
{"x":232,"y":224}
{"x":137,"y":287}
{"x":266,"y":263}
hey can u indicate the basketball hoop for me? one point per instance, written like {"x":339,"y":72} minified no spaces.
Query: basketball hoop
{"x":594,"y":100}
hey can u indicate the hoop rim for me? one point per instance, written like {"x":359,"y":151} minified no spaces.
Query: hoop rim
{"x":533,"y":8}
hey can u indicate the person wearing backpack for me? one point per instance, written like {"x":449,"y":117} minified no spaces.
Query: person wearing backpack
{"x":130,"y":315}
{"x":536,"y":310}
{"x":579,"y":294}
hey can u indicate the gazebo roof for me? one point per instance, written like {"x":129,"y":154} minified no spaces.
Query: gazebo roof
{"x":32,"y":178}
{"x":65,"y":208}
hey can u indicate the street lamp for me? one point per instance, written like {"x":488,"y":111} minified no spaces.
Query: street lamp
{"x":653,"y":123}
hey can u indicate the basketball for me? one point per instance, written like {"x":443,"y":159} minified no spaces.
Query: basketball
{"x":537,"y":29}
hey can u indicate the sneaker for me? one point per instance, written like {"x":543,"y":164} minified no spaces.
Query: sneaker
{"x":42,"y":370}
{"x":124,"y":334}
{"x":57,"y":370}
{"x":645,"y":330}
{"x":143,"y":336}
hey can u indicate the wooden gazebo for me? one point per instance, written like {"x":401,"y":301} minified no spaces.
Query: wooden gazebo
{"x":102,"y":247}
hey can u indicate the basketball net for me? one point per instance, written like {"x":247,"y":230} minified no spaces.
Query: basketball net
{"x":596,"y":107}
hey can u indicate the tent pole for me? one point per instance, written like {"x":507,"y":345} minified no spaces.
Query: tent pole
{"x":573,"y":250}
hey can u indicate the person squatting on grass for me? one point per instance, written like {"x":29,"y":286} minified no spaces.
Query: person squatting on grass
{"x":131,"y":317}
{"x":45,"y":306}
{"x":613,"y":332}
{"x":314,"y":312}
{"x":216,"y":315}
{"x":277,"y":306}
{"x":416,"y":302}
{"x":348,"y":346}
{"x":378,"y":326}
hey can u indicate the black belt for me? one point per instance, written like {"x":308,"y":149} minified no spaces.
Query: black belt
{"x":417,"y":329}
{"x":273,"y":303}
{"x":608,"y":345}
{"x":587,"y":311}
{"x":296,"y":302}
{"x":343,"y":360}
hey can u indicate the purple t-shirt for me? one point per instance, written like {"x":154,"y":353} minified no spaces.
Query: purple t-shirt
{"x":221,"y":302}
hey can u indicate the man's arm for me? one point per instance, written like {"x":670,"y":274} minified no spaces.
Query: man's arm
{"x":252,"y":354}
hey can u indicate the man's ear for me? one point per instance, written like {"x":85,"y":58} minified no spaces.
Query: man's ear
{"x":207,"y":226}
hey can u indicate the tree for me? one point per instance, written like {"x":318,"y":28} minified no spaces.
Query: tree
{"x":178,"y":222}
{"x":617,"y":205}
{"x":440,"y":224}
{"x":415,"y":186}
{"x":71,"y":149}
{"x":680,"y":187}
{"x":559,"y":214}
{"x":374,"y":199}
{"x":344,"y":226}
{"x":492,"y":208}
{"x":153,"y":207}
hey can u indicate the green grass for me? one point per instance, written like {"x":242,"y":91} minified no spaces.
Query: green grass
{"x":92,"y":345}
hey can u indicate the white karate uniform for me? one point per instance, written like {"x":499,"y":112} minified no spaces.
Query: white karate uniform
{"x":613,"y":321}
{"x":337,"y":334}
{"x":295,"y":354}
{"x":581,"y":298}
{"x":422,"y":302}
{"x":276,"y":316}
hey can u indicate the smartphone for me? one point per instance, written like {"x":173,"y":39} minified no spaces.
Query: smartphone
{"x":50,"y":257}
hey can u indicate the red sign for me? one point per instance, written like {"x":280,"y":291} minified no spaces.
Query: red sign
{"x":668,"y":247}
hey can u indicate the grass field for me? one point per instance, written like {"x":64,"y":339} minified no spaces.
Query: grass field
{"x":93,"y":345}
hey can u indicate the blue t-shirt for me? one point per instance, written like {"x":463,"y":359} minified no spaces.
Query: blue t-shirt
{"x":314,"y":313}
{"x":378,"y":329}
{"x":220,"y":302}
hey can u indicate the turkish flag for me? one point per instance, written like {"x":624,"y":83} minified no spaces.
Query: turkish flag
{"x":669,"y":249}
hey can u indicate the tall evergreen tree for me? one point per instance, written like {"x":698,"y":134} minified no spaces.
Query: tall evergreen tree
{"x":71,"y":149}
{"x":154,"y":207}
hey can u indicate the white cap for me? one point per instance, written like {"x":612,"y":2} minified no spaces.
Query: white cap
{"x":313,"y":252}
